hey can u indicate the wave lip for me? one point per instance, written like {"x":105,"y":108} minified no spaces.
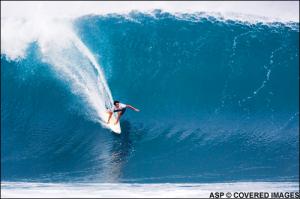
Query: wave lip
{"x":276,"y":11}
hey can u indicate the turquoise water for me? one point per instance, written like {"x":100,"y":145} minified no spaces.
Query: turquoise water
{"x":219,"y":102}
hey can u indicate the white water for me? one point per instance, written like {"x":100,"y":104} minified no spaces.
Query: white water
{"x":69,"y":58}
{"x":107,"y":190}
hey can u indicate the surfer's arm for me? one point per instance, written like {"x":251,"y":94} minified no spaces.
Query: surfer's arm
{"x":131,"y":107}
{"x":110,"y":114}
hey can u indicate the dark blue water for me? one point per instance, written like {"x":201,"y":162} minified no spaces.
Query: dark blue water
{"x":219,"y":102}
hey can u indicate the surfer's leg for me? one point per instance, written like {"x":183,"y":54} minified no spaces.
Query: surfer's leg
{"x":119,"y":116}
{"x":123,"y":111}
{"x":109,"y":116}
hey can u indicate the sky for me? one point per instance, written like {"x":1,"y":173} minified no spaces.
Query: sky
{"x":278,"y":10}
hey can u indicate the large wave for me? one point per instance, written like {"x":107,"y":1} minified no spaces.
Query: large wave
{"x":218,"y":99}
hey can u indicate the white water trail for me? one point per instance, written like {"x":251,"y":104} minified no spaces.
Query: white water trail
{"x":69,"y":58}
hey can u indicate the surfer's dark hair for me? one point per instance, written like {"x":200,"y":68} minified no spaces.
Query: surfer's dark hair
{"x":115,"y":102}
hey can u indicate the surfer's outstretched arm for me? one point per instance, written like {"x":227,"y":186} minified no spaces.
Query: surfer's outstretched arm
{"x":131,"y":107}
{"x":110,"y":114}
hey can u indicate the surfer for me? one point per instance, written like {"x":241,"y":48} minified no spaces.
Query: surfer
{"x":120,"y":108}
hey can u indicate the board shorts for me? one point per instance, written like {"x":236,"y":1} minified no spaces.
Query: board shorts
{"x":121,"y":110}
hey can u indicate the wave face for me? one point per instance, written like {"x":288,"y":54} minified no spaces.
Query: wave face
{"x":219,"y":101}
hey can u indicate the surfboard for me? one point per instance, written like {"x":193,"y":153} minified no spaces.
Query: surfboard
{"x":116,"y":128}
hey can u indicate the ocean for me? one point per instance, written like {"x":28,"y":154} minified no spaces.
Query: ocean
{"x":219,"y":103}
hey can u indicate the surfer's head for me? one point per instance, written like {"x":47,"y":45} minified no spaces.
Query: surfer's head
{"x":116,"y":103}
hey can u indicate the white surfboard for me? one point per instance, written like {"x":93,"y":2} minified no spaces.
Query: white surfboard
{"x":116,"y":128}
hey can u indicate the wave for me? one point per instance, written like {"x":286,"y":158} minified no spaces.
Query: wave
{"x":218,"y":99}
